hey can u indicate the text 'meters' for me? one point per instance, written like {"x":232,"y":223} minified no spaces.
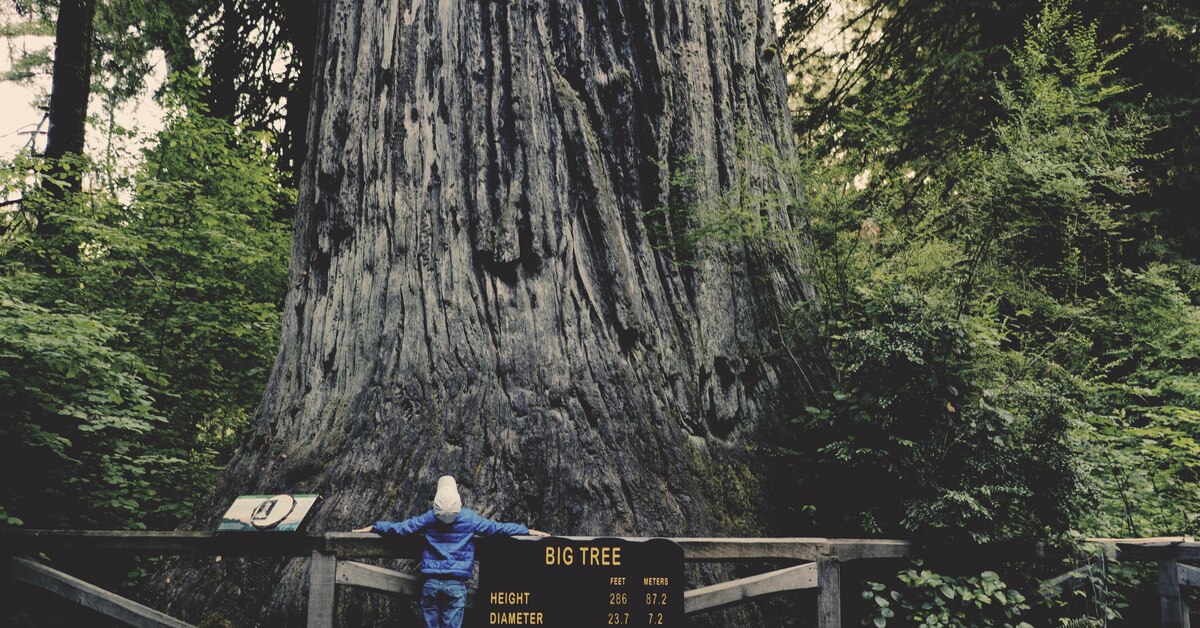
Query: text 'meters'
{"x":564,"y":583}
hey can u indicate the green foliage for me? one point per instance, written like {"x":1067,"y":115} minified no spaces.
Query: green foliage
{"x":27,"y":66}
{"x":76,"y":407}
{"x":944,"y":295}
{"x":669,"y":225}
{"x":745,"y":213}
{"x":1050,"y":197}
{"x":1143,"y":405}
{"x":921,"y":597}
{"x":1090,"y":592}
{"x":698,"y":220}
{"x":1014,"y":342}
{"x":37,"y":26}
{"x":946,"y":54}
{"x":930,"y":420}
{"x":999,"y":366}
{"x":138,"y":322}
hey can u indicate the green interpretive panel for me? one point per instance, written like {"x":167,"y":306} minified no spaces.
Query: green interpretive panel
{"x":561,"y":582}
{"x":262,"y":513}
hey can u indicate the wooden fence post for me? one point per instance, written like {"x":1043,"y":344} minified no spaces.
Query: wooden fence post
{"x":1170,"y":601}
{"x":829,"y":593}
{"x":322,"y":589}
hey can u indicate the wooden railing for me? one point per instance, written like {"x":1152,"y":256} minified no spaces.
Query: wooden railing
{"x":333,"y":563}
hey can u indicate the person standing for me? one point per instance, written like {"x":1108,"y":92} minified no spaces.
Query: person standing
{"x":448,"y":558}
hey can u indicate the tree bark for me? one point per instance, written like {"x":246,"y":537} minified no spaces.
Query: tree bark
{"x":480,"y":286}
{"x":69,"y":89}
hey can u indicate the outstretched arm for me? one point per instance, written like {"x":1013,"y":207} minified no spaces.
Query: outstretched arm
{"x":487,"y":527}
{"x":403,"y":528}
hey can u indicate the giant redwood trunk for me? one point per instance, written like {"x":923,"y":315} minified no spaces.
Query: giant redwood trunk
{"x":484,"y":282}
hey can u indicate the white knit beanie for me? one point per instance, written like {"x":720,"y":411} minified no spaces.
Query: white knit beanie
{"x":446,"y":502}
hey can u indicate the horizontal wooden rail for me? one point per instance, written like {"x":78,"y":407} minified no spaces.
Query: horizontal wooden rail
{"x":348,"y":545}
{"x":1189,"y":576}
{"x":1158,"y":551}
{"x":1129,"y":549}
{"x":695,"y":549}
{"x":376,"y":578}
{"x":161,"y":543}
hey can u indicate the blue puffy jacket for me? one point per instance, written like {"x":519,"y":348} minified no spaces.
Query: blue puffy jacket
{"x":449,"y":547}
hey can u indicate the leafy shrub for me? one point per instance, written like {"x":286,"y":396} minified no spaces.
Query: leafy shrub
{"x":138,"y":319}
{"x":921,"y":597}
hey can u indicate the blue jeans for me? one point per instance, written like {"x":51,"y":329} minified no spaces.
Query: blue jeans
{"x":443,"y":602}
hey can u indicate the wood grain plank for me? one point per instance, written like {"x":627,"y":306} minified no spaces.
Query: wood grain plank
{"x":829,"y":593}
{"x":322,"y":590}
{"x":745,"y":589}
{"x":89,"y":595}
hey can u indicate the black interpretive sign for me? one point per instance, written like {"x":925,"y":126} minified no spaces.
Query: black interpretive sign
{"x":562,"y":583}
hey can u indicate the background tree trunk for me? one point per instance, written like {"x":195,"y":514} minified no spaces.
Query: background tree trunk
{"x":226,"y":65}
{"x":70,"y":87}
{"x":477,"y":288}
{"x":300,"y":18}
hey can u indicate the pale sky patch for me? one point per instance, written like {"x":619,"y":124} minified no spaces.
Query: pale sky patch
{"x":20,"y":114}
